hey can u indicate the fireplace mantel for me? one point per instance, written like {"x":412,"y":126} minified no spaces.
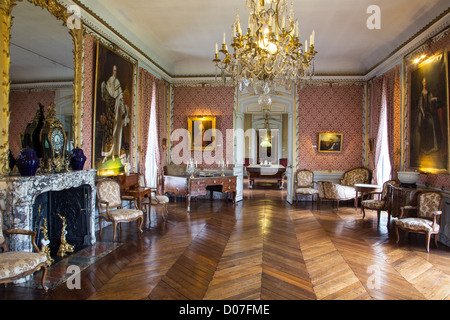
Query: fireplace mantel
{"x":19,"y":193}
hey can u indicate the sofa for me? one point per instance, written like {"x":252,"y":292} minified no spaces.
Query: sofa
{"x":344,"y":190}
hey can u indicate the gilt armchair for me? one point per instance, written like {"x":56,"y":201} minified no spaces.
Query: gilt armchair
{"x":344,"y":190}
{"x":15,"y":265}
{"x":426,"y":217}
{"x":156,"y":198}
{"x":304,"y":184}
{"x":109,"y":202}
{"x":381,"y":204}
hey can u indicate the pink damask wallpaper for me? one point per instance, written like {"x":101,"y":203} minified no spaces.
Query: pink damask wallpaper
{"x":23,"y":106}
{"x":204,"y":101}
{"x":325,"y":108}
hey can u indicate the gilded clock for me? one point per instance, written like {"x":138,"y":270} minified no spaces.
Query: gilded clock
{"x":53,"y":141}
{"x":58,"y":140}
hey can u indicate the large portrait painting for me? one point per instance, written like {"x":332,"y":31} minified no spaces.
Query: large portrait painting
{"x":113,"y":112}
{"x":330,"y":142}
{"x":429,"y":130}
{"x":203,"y":133}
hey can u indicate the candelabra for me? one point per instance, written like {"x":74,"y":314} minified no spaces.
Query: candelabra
{"x":191,"y":168}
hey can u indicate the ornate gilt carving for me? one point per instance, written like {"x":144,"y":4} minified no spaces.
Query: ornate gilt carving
{"x":6,"y":21}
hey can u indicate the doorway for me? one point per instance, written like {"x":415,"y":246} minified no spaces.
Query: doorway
{"x":280,"y":132}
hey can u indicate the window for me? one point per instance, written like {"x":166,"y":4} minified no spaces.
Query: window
{"x":383,"y":167}
{"x":151,"y":167}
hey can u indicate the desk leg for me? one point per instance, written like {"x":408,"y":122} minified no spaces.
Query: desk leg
{"x":356,"y":200}
{"x":188,"y":200}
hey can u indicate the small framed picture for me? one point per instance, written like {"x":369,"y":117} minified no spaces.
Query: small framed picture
{"x":330,"y":142}
{"x":203,"y":133}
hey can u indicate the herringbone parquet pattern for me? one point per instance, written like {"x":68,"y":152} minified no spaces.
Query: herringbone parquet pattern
{"x":262,"y":249}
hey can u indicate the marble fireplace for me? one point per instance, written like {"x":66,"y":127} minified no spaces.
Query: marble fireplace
{"x":26,"y":199}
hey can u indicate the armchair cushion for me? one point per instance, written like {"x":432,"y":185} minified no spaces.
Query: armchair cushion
{"x":335,"y":191}
{"x":304,"y":178}
{"x":122,"y":214}
{"x":109,"y":191}
{"x":308,"y":191}
{"x":429,"y":203}
{"x":13,"y":264}
{"x":355,"y":176}
{"x":160,"y":199}
{"x":418,"y":225}
{"x":374,"y":204}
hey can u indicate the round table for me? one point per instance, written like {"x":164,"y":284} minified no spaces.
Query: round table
{"x":364,"y":189}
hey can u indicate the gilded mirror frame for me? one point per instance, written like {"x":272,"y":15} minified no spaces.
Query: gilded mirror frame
{"x":6,"y":21}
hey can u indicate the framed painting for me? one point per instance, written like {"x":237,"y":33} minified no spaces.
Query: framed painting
{"x":202,"y":131}
{"x":429,"y":114}
{"x":330,"y":142}
{"x":113,"y":112}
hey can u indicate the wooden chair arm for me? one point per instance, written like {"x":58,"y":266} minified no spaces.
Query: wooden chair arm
{"x":403,"y":209}
{"x":32,"y":234}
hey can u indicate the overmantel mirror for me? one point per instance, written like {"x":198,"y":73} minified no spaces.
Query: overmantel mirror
{"x":42,"y":65}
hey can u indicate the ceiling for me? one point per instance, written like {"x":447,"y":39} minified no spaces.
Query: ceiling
{"x":180,"y":35}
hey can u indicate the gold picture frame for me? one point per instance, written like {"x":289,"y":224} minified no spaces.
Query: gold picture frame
{"x":202,"y":132}
{"x":429,"y":131}
{"x":330,"y":142}
{"x":114,"y":109}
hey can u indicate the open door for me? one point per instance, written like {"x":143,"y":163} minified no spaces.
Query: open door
{"x":239,"y":141}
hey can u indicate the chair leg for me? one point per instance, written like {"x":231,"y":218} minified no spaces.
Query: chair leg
{"x":378,"y":216}
{"x":436,"y":239}
{"x":44,"y":275}
{"x":364,"y":212}
{"x":397,"y":232}
{"x":114,"y":230}
{"x":140,"y":222}
{"x":428,"y":242}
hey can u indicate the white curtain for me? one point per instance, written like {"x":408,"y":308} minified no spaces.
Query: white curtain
{"x":383,"y":161}
{"x":151,"y":166}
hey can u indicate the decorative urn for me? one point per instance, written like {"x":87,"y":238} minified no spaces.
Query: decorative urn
{"x":28,"y":162}
{"x":78,"y":159}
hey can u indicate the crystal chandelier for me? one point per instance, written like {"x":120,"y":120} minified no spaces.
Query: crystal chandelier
{"x":270,"y":54}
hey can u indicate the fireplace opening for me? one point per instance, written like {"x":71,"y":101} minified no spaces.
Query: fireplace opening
{"x":74,"y":205}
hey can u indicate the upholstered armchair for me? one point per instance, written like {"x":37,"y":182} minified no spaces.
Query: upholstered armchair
{"x":17,"y":265}
{"x":344,"y":190}
{"x":379,"y":204}
{"x":110,"y":208}
{"x":304,"y":184}
{"x":156,"y":198}
{"x":426,"y":217}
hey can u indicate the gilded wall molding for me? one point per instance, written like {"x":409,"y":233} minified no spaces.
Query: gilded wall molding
{"x":6,"y":7}
{"x":6,"y":22}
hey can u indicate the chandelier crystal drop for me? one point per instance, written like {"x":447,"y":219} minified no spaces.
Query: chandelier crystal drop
{"x":270,"y":54}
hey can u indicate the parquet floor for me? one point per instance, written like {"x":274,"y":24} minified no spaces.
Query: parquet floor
{"x":262,"y":249}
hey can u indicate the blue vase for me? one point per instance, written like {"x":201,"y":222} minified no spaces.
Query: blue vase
{"x":28,"y":162}
{"x":78,"y":159}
